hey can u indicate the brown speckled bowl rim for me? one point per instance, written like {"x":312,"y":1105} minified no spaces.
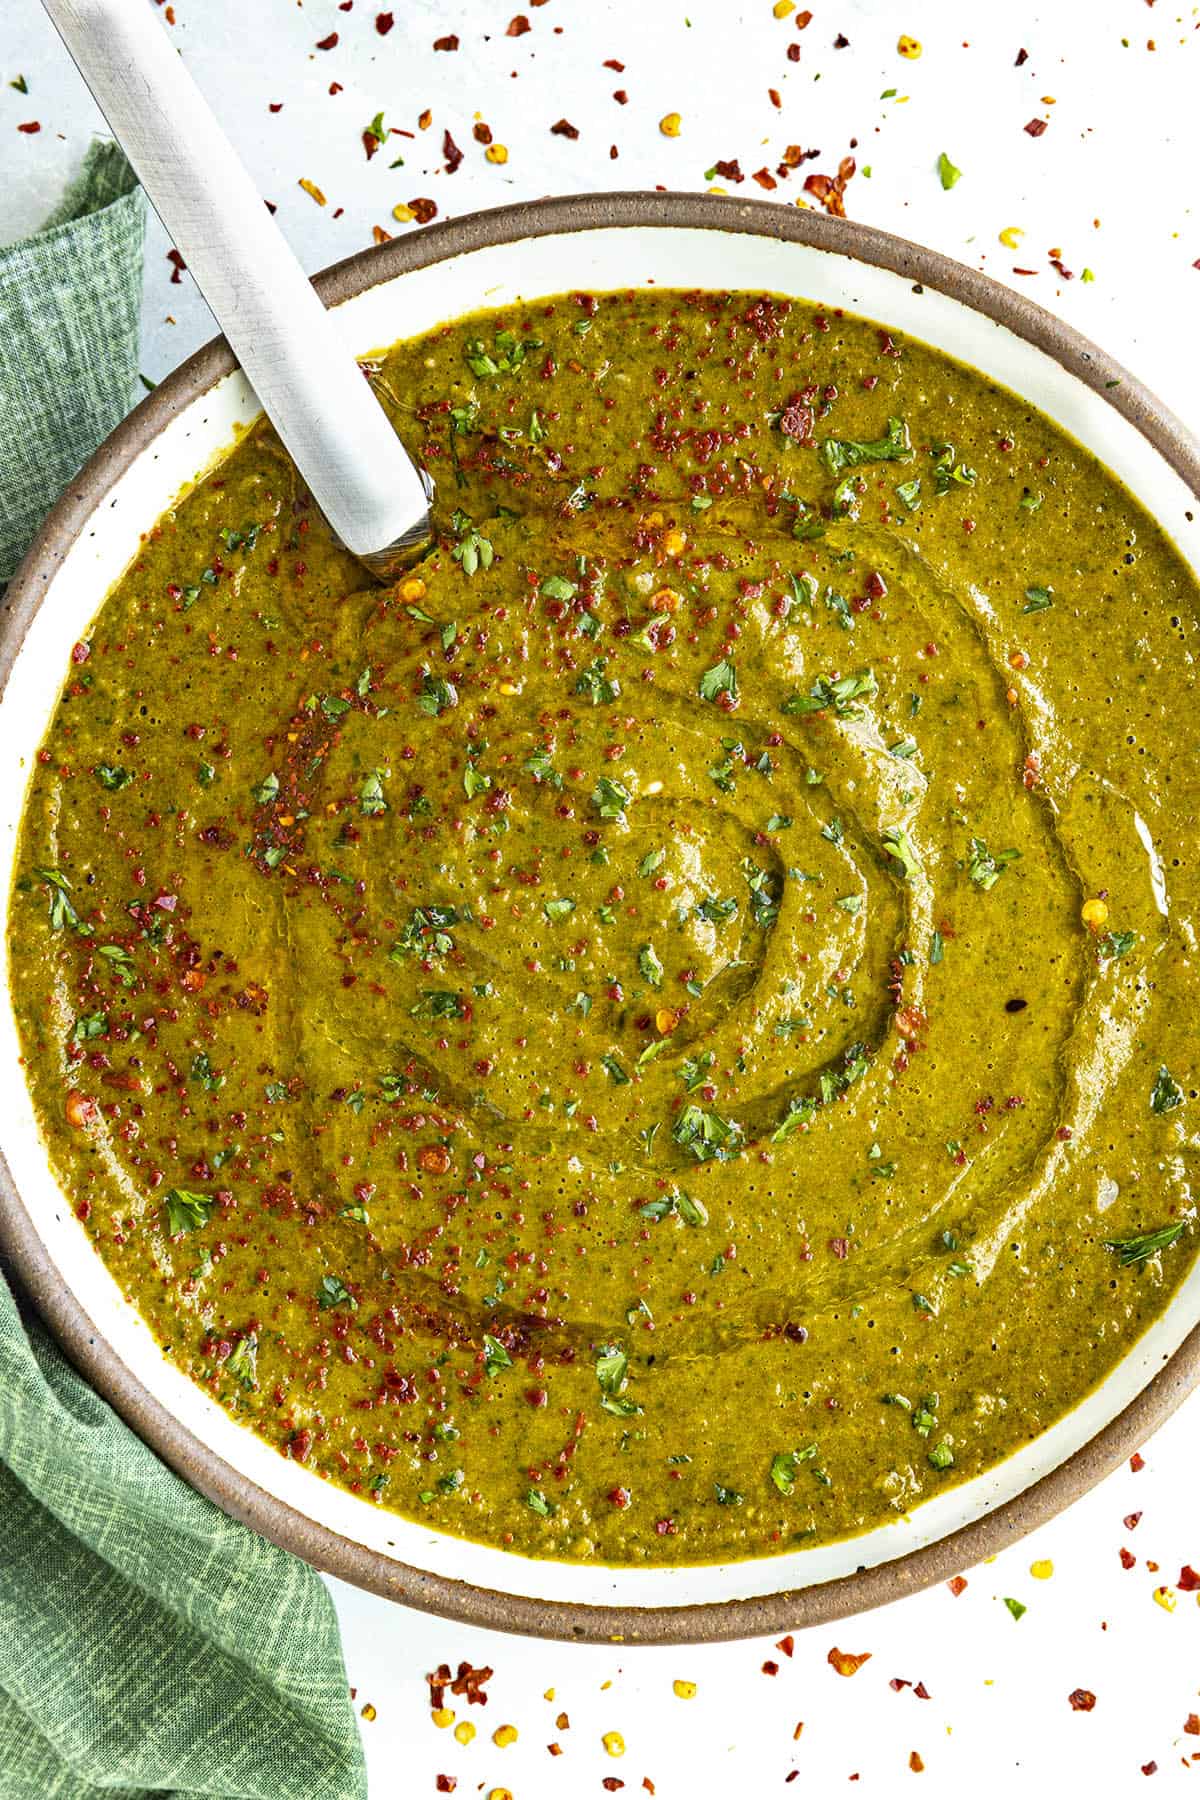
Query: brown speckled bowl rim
{"x":84,"y":1341}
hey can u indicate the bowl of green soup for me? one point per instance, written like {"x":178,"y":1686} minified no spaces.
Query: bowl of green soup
{"x":638,"y":1082}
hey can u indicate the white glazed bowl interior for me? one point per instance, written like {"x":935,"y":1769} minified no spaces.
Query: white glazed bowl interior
{"x":497,"y":275}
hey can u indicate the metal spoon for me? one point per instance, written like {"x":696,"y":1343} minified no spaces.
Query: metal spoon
{"x":374,"y":496}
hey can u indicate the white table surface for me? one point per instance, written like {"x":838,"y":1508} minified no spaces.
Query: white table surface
{"x":1110,"y":186}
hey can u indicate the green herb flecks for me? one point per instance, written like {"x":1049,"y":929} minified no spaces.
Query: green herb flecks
{"x":720,"y":679}
{"x":1133,"y":1251}
{"x":1166,"y":1094}
{"x":837,"y":696}
{"x":186,"y":1211}
{"x":985,"y":869}
{"x":840,"y":454}
{"x":706,"y":1135}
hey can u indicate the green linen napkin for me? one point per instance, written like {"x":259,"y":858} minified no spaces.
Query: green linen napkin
{"x":69,"y":304}
{"x":148,"y":1644}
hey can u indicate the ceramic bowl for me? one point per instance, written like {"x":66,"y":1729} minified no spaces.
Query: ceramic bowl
{"x":494,"y":259}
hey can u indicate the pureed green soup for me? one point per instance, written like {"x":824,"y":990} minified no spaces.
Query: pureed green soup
{"x":668,"y":1034}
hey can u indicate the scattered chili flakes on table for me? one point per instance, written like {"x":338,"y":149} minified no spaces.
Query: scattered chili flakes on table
{"x":846,"y":1662}
{"x":830,"y":190}
{"x":1082,"y":1700}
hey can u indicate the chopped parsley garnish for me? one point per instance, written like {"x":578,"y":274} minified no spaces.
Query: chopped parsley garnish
{"x":715,"y":911}
{"x":720,"y":679}
{"x":1133,"y":1251}
{"x":840,"y":454}
{"x":242,"y":1362}
{"x":537,"y":1502}
{"x":896,"y":842}
{"x":114,"y":778}
{"x":506,"y":356}
{"x":266,"y":790}
{"x":62,"y":909}
{"x":495,"y":1356}
{"x":985,"y":869}
{"x":612,"y":1369}
{"x":1037,"y":599}
{"x":785,"y":1467}
{"x":650,"y":965}
{"x":438,"y":1003}
{"x":186,"y":1211}
{"x":610,"y":798}
{"x":332,"y":1291}
{"x":708,"y":1136}
{"x":838,"y":696}
{"x":595,"y":685}
{"x":437,"y":696}
{"x":1115,"y":944}
{"x":558,"y":909}
{"x":370,"y":795}
{"x":727,"y":1496}
{"x":908,"y":493}
{"x":472,"y":551}
{"x":1166,"y":1094}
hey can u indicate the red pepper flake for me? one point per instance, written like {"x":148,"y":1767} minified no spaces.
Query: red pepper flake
{"x":564,"y":128}
{"x":915,"y":1763}
{"x":773,"y":97}
{"x":1192,"y":1724}
{"x":1128,"y":1559}
{"x":618,"y":68}
{"x":384,"y":23}
{"x":1036,"y":127}
{"x":770,"y":1668}
{"x":786,"y":1644}
{"x":957,"y":1585}
{"x":841,"y":41}
{"x":1082,"y":1700}
{"x":31,"y":127}
{"x":328,"y":43}
{"x":449,"y":42}
{"x":518,"y":25}
{"x":1189,"y":1581}
{"x":1022,"y":57}
{"x":765,"y":179}
{"x":803,"y":21}
{"x":1150,"y":1768}
{"x":796,"y":421}
{"x":177,"y":266}
{"x":446,"y":1784}
{"x":275,"y":106}
{"x":729,"y":171}
{"x":451,"y":152}
{"x":846,"y":1662}
{"x":1137,"y":1462}
{"x":830,"y":190}
{"x":423,"y":210}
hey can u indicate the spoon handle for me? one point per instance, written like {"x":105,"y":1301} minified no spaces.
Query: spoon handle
{"x":292,"y":350}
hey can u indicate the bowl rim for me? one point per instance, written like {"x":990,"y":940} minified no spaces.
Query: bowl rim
{"x":21,"y":1243}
